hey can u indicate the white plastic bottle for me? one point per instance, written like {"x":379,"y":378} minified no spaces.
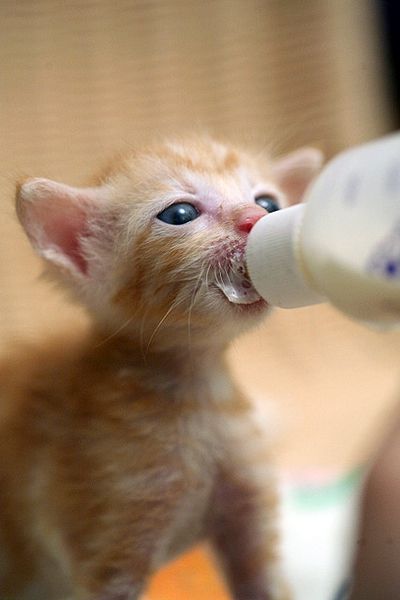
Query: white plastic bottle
{"x":343,"y":244}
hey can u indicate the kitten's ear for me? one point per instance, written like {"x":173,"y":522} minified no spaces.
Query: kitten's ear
{"x":56,"y":218}
{"x":295,"y":171}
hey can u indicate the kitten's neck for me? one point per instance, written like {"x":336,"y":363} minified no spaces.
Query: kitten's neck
{"x":160,"y":368}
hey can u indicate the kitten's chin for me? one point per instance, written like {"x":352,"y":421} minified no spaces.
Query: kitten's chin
{"x":236,"y":319}
{"x":233,"y":283}
{"x":237,"y":289}
{"x":257,"y":307}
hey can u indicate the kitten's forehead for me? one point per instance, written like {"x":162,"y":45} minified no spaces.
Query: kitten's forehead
{"x":191,"y":167}
{"x":206,"y":156}
{"x":203,"y":156}
{"x":194,"y":164}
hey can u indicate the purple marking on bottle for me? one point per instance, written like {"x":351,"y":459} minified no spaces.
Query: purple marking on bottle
{"x":392,"y":268}
{"x":384,"y":260}
{"x":351,"y":189}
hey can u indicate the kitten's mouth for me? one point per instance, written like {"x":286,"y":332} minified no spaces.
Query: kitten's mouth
{"x":234,"y":282}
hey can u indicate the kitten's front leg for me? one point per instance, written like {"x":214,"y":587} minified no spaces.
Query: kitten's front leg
{"x":120,"y":588}
{"x":244,"y":535}
{"x":112,"y":566}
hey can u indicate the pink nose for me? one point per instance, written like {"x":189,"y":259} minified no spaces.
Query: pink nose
{"x":248,"y":217}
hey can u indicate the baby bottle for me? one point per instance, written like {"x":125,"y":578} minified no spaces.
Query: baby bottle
{"x":343,"y":244}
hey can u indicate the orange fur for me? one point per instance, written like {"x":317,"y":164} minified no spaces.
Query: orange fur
{"x":124,"y":446}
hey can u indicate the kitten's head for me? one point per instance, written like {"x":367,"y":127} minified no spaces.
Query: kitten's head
{"x":157,"y":246}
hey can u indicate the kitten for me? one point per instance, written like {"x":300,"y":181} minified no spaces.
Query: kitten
{"x":121,"y":449}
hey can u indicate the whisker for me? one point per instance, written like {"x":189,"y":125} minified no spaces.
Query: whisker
{"x":207,"y":274}
{"x":228,"y":274}
{"x":219,"y":276}
{"x":197,"y":288}
{"x":141,"y":336}
{"x":116,"y":332}
{"x":174,"y":304}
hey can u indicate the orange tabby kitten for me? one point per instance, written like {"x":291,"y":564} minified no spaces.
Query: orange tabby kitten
{"x":121,"y":450}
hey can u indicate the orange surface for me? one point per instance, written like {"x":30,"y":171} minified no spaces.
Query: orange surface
{"x":192,"y":577}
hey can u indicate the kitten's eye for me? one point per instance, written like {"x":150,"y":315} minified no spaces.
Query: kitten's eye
{"x":179,"y":214}
{"x":268,"y":202}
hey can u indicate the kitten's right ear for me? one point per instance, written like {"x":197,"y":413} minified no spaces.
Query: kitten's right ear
{"x":295,"y":171}
{"x":57,"y":219}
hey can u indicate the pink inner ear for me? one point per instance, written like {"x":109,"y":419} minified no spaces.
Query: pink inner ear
{"x":64,"y":230}
{"x":55,"y":219}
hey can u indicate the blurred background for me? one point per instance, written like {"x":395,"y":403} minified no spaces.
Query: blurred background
{"x":81,"y":80}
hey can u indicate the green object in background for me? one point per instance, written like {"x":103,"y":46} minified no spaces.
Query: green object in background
{"x":311,"y":496}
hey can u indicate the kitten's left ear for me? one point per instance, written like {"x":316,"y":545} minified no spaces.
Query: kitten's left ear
{"x":295,"y":171}
{"x":58,"y":219}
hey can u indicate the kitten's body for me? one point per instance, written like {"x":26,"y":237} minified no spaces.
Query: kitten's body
{"x":100,"y":465}
{"x":122,"y":448}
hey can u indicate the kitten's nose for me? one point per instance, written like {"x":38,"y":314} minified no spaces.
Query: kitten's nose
{"x":248,"y":217}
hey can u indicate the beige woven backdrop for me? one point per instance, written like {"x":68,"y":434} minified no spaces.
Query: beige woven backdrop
{"x":79,"y":80}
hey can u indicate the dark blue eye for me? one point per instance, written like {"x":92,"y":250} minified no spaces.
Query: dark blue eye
{"x":179,"y":214}
{"x":268,"y":202}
